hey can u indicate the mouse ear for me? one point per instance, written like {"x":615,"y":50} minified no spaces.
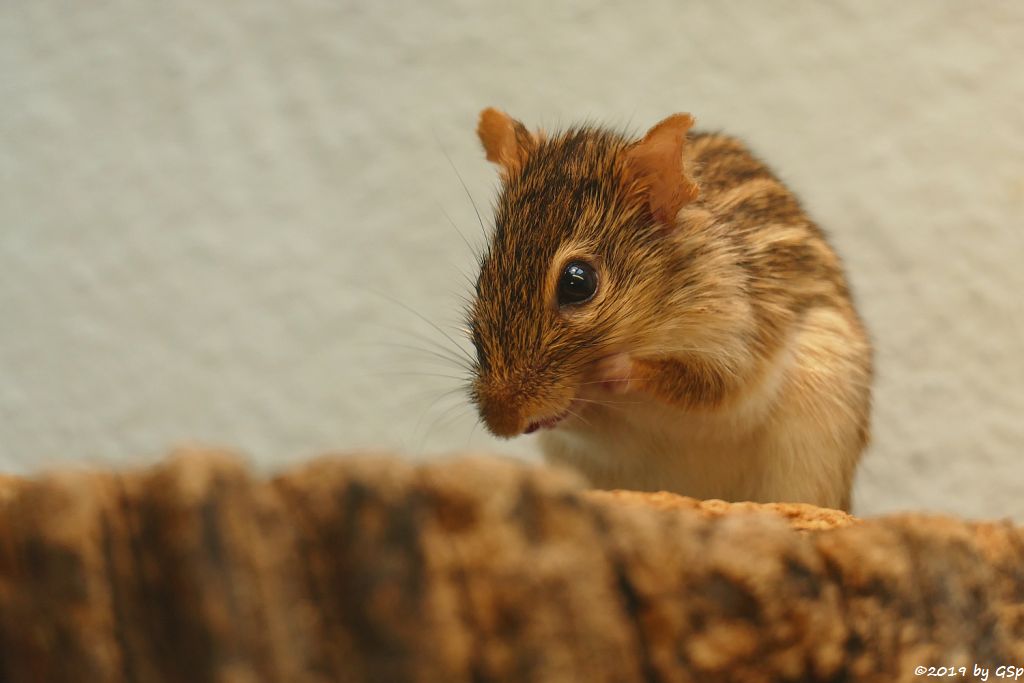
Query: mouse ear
{"x":655,"y":164}
{"x":506,"y":141}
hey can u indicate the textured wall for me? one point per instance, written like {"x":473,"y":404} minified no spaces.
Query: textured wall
{"x":216,"y":219}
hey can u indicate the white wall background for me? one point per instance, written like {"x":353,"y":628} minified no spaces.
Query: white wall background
{"x":212,"y":214}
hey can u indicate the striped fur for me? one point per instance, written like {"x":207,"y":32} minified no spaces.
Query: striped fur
{"x":721,"y":357}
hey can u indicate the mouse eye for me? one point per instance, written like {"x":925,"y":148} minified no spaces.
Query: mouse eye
{"x":577,"y":283}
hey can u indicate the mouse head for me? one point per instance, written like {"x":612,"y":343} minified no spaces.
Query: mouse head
{"x":581,"y":265}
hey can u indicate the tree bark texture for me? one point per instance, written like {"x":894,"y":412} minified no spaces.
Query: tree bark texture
{"x":364,"y":568}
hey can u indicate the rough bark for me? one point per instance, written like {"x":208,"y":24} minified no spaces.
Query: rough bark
{"x":372,"y":569}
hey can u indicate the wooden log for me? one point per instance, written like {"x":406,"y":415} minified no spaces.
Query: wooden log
{"x":375,"y":569}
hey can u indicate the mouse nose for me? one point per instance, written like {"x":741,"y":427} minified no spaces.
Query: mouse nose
{"x":502,"y":404}
{"x":501,"y":415}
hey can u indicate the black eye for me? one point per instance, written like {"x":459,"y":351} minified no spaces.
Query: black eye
{"x":577,"y":283}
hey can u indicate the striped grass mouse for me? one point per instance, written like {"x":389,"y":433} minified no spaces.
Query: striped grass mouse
{"x":667,"y":316}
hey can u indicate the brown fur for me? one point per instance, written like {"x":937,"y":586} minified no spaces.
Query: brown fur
{"x":722,"y":320}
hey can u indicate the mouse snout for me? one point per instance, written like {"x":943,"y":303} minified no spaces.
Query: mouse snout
{"x":516,"y":405}
{"x":502,"y":410}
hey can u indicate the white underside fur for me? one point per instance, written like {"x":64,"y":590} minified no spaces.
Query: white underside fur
{"x":793,"y":437}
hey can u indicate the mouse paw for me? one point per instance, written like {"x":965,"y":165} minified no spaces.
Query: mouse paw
{"x":615,"y":374}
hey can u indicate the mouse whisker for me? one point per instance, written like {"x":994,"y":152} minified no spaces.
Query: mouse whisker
{"x":475,"y":251}
{"x":416,"y":373}
{"x":465,"y":188}
{"x":438,"y":397}
{"x":476,"y":425}
{"x":579,"y":417}
{"x":446,"y":413}
{"x":610,"y":404}
{"x":448,"y":361}
{"x":457,"y":347}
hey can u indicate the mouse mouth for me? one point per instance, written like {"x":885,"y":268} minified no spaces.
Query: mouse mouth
{"x":547,"y":422}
